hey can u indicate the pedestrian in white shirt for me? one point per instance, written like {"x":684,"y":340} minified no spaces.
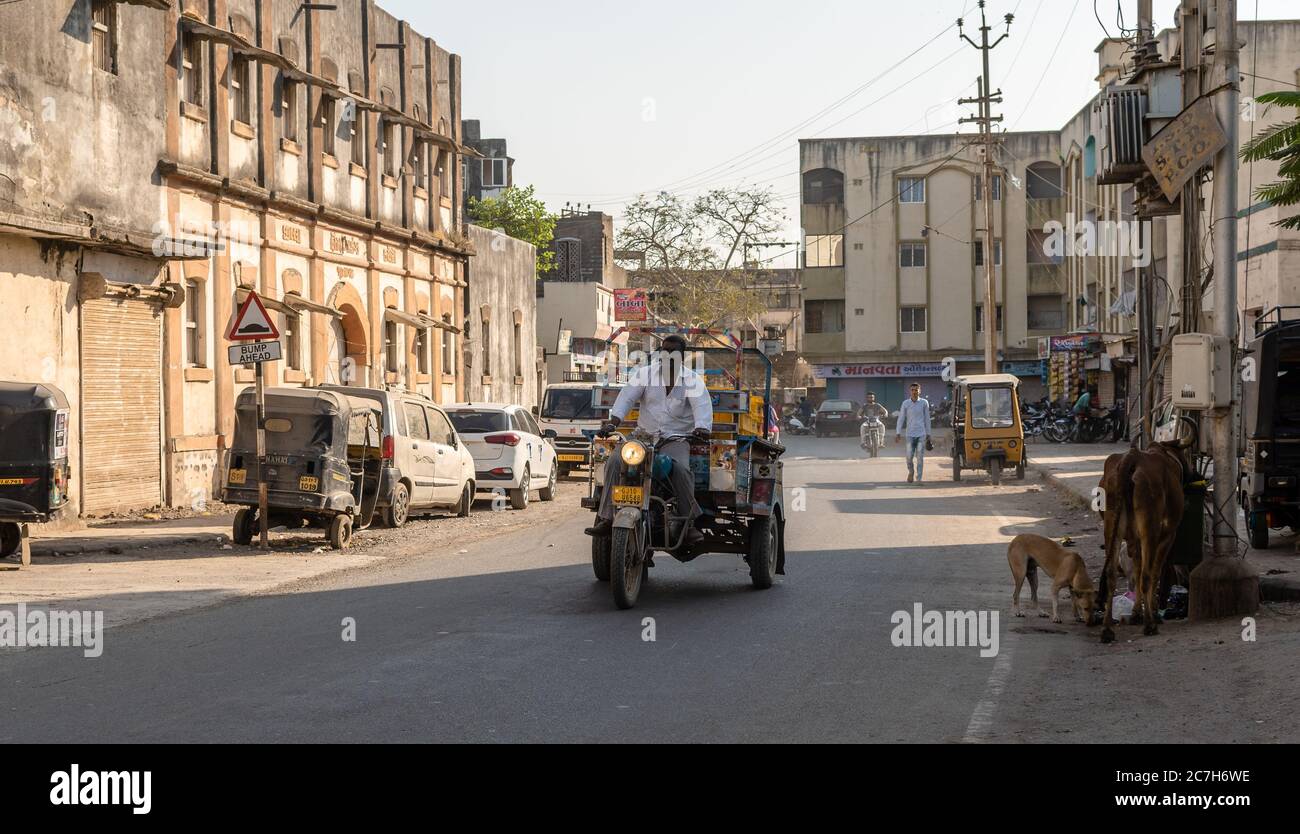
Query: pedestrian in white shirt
{"x":914,"y":423}
{"x":674,"y":402}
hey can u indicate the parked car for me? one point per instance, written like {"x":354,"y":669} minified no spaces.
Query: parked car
{"x":837,"y":417}
{"x":428,"y":466}
{"x":510,"y":451}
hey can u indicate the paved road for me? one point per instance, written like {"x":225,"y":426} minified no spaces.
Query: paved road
{"x":512,"y":640}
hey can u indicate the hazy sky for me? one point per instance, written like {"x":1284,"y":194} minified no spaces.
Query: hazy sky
{"x":602,"y":100}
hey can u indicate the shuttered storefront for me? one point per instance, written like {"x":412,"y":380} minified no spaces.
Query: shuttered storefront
{"x":121,"y":403}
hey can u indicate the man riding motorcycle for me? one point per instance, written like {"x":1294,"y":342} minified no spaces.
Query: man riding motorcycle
{"x":873,"y":415}
{"x":675,"y":403}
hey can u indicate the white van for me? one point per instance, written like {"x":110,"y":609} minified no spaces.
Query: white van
{"x":429,"y":467}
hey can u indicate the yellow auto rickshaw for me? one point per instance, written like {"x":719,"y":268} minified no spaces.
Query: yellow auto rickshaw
{"x":986,"y":429}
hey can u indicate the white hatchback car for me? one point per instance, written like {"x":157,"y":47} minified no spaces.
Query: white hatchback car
{"x":510,"y":451}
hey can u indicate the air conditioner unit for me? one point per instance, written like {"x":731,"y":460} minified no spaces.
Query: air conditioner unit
{"x":1120,"y":114}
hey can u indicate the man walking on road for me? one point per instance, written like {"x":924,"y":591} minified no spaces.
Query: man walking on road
{"x":914,"y":422}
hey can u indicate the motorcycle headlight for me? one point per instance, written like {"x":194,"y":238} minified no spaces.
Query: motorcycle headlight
{"x":633,"y":453}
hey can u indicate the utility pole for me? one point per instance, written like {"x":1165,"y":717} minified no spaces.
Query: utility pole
{"x":1224,"y":585}
{"x":1148,"y":396}
{"x":986,"y":99}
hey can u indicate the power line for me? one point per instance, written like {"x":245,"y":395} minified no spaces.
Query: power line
{"x":1064,"y":30}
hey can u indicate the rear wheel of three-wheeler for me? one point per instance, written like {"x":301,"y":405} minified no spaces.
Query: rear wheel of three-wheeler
{"x":398,"y":510}
{"x":1020,"y":470}
{"x":995,"y":471}
{"x":956,"y":467}
{"x":627,"y":566}
{"x":10,"y":538}
{"x":245,"y":526}
{"x":764,"y":548}
{"x":600,"y":558}
{"x":1257,"y":526}
{"x":340,"y":532}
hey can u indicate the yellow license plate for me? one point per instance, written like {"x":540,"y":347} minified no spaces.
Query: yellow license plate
{"x":571,"y":458}
{"x":238,"y":477}
{"x":628,"y":495}
{"x":309,"y":483}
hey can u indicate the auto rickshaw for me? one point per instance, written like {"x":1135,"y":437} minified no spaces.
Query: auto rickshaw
{"x":323,"y":463}
{"x":34,"y":469}
{"x":738,"y":483}
{"x":986,"y":429}
{"x":1270,"y":488}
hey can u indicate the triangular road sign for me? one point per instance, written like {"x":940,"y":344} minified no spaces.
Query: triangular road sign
{"x":252,"y":322}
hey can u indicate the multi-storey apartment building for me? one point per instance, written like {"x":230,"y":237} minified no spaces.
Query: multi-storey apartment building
{"x":893,"y":279}
{"x":169,"y":157}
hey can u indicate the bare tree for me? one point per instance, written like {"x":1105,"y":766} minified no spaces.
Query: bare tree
{"x":691,"y":252}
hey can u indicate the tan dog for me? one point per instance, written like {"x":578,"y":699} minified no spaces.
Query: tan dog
{"x":1028,"y":553}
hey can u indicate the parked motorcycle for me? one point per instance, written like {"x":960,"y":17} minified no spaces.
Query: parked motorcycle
{"x":795,"y":426}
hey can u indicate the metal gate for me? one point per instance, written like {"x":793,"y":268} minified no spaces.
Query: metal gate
{"x":121,"y":406}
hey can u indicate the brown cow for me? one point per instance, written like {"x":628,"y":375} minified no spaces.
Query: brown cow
{"x":1144,"y":505}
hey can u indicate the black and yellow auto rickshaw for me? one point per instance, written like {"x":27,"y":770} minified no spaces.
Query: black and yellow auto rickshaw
{"x":323,"y":463}
{"x":986,"y":429}
{"x":34,"y":469}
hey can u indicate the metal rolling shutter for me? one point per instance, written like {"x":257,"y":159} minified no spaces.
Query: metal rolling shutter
{"x":121,"y":403}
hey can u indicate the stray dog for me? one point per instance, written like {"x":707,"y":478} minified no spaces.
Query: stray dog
{"x":1028,"y":553}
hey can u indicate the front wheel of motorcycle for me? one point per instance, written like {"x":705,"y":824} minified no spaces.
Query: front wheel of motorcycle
{"x":626,"y":566}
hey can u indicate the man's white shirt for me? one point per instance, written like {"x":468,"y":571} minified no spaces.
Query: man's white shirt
{"x":687,"y":407}
{"x":914,"y":418}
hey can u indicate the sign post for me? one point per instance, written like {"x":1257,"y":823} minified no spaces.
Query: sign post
{"x":252,"y":324}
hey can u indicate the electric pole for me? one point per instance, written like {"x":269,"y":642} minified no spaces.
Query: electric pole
{"x":1225,"y":585}
{"x":986,"y":99}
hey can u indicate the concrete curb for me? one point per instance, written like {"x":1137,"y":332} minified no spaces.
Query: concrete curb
{"x":1279,"y":588}
{"x":77,"y":546}
{"x":1059,"y":485}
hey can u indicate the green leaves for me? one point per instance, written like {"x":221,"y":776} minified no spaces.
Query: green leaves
{"x":519,"y":213}
{"x":1279,"y":143}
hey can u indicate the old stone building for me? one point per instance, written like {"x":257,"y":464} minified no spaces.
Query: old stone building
{"x":167,"y":157}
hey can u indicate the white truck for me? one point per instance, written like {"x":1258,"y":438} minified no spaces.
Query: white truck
{"x":567,"y":408}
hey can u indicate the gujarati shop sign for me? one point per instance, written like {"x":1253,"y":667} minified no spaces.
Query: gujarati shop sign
{"x":926,"y":369}
{"x":1076,"y":341}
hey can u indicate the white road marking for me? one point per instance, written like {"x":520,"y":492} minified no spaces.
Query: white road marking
{"x":981,"y":720}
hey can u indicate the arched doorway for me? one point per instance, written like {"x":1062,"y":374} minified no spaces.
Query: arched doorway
{"x":347,"y":356}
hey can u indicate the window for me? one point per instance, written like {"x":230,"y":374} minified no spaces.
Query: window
{"x":1039,"y":249}
{"x":390,"y":149}
{"x":194,"y":308}
{"x":823,"y":186}
{"x":978,"y":248}
{"x":1043,"y":181}
{"x":444,"y":174}
{"x":440,"y":430}
{"x":448,"y":346}
{"x":911,"y":189}
{"x":991,"y":408}
{"x":328,"y":123}
{"x":494,"y":173}
{"x":240,"y":90}
{"x":192,"y":70}
{"x":1046,"y":312}
{"x":823,"y":316}
{"x":422,"y":349}
{"x":979,"y":318}
{"x":358,"y":139}
{"x":519,"y":350}
{"x":911,"y":255}
{"x":487,"y":347}
{"x":417,"y":425}
{"x":420,"y":164}
{"x":293,"y":341}
{"x":824,"y":250}
{"x":997,"y":187}
{"x":289,"y":110}
{"x":912,"y":319}
{"x":103,"y":34}
{"x":391,"y":345}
